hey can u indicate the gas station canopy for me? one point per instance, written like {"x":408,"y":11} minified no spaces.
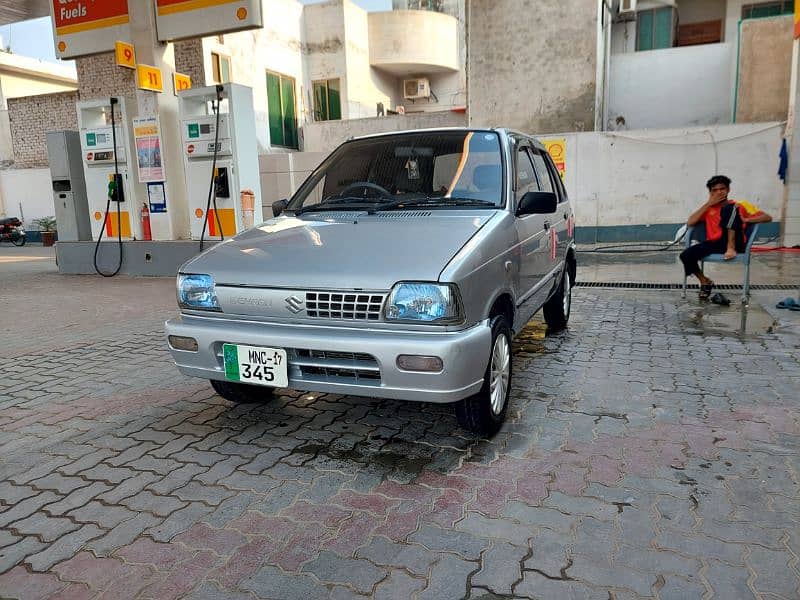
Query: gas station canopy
{"x":22,"y":10}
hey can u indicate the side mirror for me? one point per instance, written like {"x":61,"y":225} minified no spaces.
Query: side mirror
{"x":537,"y":203}
{"x":280,"y":205}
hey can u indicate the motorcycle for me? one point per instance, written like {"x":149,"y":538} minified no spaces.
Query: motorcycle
{"x":11,"y":231}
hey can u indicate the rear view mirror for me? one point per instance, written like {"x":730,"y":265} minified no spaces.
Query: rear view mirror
{"x":279,"y":206}
{"x":537,"y":203}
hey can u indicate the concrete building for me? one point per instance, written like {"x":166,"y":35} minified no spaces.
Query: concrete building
{"x":569,"y":66}
{"x":33,"y":84}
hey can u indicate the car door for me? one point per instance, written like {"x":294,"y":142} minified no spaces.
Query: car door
{"x":557,"y":223}
{"x":533,"y":238}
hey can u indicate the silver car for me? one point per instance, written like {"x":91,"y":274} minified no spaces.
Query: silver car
{"x":401,"y":269}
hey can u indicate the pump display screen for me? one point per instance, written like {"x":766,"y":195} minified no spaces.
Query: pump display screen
{"x":103,"y":138}
{"x":205,"y":128}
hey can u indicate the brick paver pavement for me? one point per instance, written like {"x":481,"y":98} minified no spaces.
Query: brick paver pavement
{"x":641,"y":459}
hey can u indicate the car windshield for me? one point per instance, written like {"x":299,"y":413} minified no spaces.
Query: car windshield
{"x":438,"y":170}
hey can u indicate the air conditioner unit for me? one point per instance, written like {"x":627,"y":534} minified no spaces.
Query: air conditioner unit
{"x":627,"y":7}
{"x":416,"y":88}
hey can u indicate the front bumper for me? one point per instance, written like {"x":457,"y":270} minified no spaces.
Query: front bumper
{"x":345,"y":360}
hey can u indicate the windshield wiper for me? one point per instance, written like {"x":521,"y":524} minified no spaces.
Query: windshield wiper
{"x":436,"y":201}
{"x":339,"y":204}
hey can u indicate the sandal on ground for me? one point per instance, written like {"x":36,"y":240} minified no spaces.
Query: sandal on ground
{"x":795,"y":307}
{"x":705,"y":290}
{"x":787,"y":303}
{"x":720,"y":299}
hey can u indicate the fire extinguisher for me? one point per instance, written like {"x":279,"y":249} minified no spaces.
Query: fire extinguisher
{"x":146,"y":234}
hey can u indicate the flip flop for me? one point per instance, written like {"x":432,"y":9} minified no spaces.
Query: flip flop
{"x":722,"y":300}
{"x":795,"y":307}
{"x":787,"y":303}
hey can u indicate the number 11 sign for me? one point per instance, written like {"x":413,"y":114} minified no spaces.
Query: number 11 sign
{"x":149,"y":78}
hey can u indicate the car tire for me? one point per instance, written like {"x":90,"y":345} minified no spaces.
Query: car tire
{"x":242,"y":393}
{"x":485,"y":412}
{"x":557,"y":308}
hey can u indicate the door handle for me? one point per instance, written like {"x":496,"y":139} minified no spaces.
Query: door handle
{"x":566,"y":216}
{"x":547,"y":224}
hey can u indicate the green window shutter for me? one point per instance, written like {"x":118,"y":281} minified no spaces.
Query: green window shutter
{"x":225,"y":70}
{"x":334,"y":100}
{"x":663,"y":28}
{"x":644,"y":30}
{"x":321,"y":102}
{"x":274,"y":109}
{"x":289,"y":121}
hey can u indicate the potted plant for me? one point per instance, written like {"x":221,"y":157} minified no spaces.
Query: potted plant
{"x":47,"y":226}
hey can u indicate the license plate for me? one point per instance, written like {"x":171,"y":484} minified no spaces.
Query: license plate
{"x":253,"y":364}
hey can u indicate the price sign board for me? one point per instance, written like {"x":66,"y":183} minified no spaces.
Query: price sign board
{"x":149,"y":78}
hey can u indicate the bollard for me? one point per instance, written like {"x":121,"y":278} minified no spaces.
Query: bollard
{"x":248,"y":199}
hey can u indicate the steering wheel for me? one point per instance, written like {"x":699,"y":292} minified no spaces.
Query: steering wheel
{"x":382,"y":191}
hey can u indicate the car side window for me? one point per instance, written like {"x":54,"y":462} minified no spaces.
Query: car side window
{"x":526,"y":177}
{"x":556,"y":176}
{"x":543,"y":173}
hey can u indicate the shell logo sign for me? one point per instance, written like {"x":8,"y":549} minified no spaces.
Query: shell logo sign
{"x":82,"y":27}
{"x":177,"y":19}
{"x":557,"y":148}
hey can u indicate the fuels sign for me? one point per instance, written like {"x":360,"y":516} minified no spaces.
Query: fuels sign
{"x":82,"y":27}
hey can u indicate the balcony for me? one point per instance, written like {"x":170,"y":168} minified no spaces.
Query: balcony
{"x":413,"y":42}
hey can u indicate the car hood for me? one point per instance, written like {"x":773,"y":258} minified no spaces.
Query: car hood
{"x":342,"y":250}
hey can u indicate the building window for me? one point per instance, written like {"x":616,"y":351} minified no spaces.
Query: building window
{"x":768,"y":9}
{"x":281,"y":106}
{"x":220,"y":68}
{"x":654,"y":28}
{"x":327,"y":100}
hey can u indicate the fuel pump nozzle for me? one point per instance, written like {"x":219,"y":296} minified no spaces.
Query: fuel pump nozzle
{"x":115,"y":194}
{"x":212,"y":188}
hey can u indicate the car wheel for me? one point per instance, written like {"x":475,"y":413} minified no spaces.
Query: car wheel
{"x":242,"y":393}
{"x":18,"y":241}
{"x":485,"y":412}
{"x":557,"y":308}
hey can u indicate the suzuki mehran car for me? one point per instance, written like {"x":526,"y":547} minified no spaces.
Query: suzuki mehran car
{"x":401,"y":268}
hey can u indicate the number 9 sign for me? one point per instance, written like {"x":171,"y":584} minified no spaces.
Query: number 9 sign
{"x":125,"y":55}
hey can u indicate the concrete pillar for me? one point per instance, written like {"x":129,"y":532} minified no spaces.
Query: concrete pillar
{"x":790,"y":227}
{"x":150,"y":51}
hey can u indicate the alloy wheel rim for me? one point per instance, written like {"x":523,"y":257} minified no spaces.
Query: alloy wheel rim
{"x":500,"y":373}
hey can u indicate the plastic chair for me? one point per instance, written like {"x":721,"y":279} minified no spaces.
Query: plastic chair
{"x":698,"y":232}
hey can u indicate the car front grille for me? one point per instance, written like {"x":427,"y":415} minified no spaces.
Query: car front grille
{"x":344,"y":305}
{"x":336,"y":367}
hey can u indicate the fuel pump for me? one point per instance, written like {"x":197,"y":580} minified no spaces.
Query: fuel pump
{"x":106,"y":163}
{"x":218,"y":132}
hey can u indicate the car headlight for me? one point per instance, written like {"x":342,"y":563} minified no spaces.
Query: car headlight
{"x":425,"y":302}
{"x":197,"y":292}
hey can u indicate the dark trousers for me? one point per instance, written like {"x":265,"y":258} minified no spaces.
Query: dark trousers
{"x":729,"y":219}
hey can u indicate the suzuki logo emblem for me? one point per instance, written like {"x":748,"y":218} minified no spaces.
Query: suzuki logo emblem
{"x":294,"y":304}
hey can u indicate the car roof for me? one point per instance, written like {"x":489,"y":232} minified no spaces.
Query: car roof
{"x":499,"y":130}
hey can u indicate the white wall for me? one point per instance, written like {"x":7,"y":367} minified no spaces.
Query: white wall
{"x":30,"y":188}
{"x":325,"y":46}
{"x":365,"y":86}
{"x":674,"y":87}
{"x":658,"y":177}
{"x":277,"y":47}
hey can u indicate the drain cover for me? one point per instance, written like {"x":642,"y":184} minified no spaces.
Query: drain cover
{"x":640,"y":285}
